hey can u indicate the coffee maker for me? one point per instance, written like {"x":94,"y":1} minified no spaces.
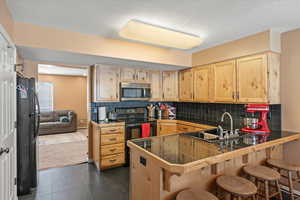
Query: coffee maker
{"x":254,"y":125}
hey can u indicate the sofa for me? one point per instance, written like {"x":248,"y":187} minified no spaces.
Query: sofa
{"x":59,"y":121}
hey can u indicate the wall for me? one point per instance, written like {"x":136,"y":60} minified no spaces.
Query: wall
{"x":70,"y":93}
{"x":290,"y":72}
{"x":290,"y":95}
{"x":6,"y":19}
{"x":254,"y":44}
{"x":34,"y":36}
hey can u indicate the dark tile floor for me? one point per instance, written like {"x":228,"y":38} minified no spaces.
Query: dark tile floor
{"x":81,"y":182}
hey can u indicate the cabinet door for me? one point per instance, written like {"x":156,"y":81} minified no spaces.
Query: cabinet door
{"x":166,"y":129}
{"x":106,"y":83}
{"x":224,"y":81}
{"x":202,"y":79}
{"x":156,"y":83}
{"x":252,"y":79}
{"x":128,"y":74}
{"x":142,"y":75}
{"x":170,"y":86}
{"x":186,"y":85}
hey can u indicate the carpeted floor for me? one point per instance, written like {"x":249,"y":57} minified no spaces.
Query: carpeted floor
{"x":61,"y":150}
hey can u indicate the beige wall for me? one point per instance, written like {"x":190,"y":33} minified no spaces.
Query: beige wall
{"x":290,"y":80}
{"x":61,"y":40}
{"x":257,"y":43}
{"x":70,"y":93}
{"x":6,"y":19}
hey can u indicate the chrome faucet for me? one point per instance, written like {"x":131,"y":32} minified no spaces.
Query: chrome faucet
{"x":231,"y":121}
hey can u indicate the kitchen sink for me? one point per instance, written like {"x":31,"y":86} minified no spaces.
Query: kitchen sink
{"x":211,"y":136}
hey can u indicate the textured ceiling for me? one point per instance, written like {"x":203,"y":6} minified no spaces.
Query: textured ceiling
{"x":218,"y":21}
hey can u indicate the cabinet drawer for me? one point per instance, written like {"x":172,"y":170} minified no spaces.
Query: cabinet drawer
{"x":112,"y":139}
{"x":109,"y":161}
{"x":112,"y":130}
{"x":112,"y":149}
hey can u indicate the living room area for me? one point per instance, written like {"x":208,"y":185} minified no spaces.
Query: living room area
{"x":63,"y":98}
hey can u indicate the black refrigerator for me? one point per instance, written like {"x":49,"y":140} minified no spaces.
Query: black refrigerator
{"x":28,"y":115}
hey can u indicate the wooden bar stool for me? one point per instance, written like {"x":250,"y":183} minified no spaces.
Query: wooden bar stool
{"x":265,"y":175}
{"x":281,"y":165}
{"x":237,"y":187}
{"x":193,"y":194}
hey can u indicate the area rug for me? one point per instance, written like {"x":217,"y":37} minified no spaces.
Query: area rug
{"x":62,"y":150}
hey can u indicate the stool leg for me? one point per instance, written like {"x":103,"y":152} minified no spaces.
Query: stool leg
{"x":298,"y":176}
{"x":279,"y":190}
{"x":290,"y":177}
{"x":267,"y":190}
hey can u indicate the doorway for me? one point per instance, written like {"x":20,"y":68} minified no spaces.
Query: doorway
{"x":63,"y":97}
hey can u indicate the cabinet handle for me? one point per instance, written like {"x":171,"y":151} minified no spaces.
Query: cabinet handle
{"x":112,"y":139}
{"x":1,"y":151}
{"x":112,"y":150}
{"x":113,"y":130}
{"x":238,"y":95}
{"x":232,"y":95}
{"x":113,"y":160}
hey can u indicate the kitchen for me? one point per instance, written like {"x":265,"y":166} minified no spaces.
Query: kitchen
{"x":185,"y":101}
{"x":214,"y":118}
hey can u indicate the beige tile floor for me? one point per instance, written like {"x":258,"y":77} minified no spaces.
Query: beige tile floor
{"x":61,"y":150}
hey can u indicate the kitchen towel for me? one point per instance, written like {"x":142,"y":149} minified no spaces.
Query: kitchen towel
{"x":145,"y":130}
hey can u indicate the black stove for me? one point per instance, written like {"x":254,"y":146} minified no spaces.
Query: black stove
{"x":134,"y":117}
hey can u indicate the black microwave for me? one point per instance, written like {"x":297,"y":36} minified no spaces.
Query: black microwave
{"x":135,"y":91}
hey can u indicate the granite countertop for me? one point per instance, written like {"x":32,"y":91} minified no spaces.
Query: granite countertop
{"x":182,"y":148}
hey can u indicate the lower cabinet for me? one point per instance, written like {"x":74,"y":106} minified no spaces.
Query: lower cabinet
{"x":108,"y":141}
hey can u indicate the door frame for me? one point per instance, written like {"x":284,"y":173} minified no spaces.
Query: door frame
{"x":8,"y":38}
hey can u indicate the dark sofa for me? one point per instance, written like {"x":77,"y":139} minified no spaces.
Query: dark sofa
{"x":60,"y":121}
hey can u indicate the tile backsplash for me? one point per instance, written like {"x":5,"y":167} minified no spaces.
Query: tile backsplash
{"x":110,"y":106}
{"x":212,"y":112}
{"x":206,"y":112}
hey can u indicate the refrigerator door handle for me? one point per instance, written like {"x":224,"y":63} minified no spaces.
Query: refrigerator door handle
{"x":37,"y":114}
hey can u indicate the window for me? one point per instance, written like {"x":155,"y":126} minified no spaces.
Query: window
{"x":45,"y":95}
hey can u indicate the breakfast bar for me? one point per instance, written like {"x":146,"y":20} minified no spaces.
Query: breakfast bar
{"x":162,"y":166}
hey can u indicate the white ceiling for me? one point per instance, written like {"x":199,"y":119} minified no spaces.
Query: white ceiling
{"x":68,"y":58}
{"x":218,"y":21}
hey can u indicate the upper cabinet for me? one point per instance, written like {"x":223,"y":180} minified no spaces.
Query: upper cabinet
{"x":134,"y":75}
{"x":252,"y":79}
{"x":203,"y":83}
{"x":224,"y":81}
{"x":105,"y":83}
{"x":170,"y":85}
{"x":186,"y":84}
{"x":156,"y":85}
{"x":252,"y":75}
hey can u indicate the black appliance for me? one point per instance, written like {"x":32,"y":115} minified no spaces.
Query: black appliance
{"x":28,"y":117}
{"x":134,"y":118}
{"x":135,"y":91}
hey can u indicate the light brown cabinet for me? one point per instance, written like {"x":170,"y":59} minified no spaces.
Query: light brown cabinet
{"x":186,"y":84}
{"x":203,"y":84}
{"x":156,"y":85}
{"x":134,"y":75}
{"x":225,"y":81}
{"x":108,"y":144}
{"x":170,"y":85}
{"x":105,"y":83}
{"x":252,"y":74}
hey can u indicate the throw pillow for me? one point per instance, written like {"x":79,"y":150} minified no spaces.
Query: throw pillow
{"x":63,"y":119}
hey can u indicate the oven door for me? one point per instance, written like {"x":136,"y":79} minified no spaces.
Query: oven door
{"x":135,"y":91}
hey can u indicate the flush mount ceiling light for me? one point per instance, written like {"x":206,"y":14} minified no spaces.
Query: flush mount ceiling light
{"x":140,"y":31}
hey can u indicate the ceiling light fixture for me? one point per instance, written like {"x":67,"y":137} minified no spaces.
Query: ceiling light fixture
{"x":143,"y":32}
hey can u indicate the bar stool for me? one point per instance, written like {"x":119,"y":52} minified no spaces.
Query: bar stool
{"x":193,"y":194}
{"x":282,"y":165}
{"x":236,"y":186}
{"x":266,"y":176}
